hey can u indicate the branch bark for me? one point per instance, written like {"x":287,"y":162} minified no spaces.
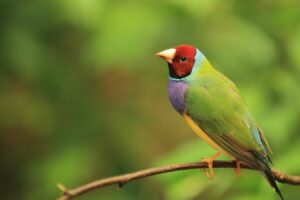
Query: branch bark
{"x":123,"y":179}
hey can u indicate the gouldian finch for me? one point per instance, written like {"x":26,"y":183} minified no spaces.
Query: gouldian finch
{"x":212,"y":106}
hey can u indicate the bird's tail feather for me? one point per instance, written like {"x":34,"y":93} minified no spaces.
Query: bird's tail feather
{"x":267,"y":172}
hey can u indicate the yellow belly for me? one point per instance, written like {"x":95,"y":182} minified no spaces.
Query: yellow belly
{"x":203,"y":135}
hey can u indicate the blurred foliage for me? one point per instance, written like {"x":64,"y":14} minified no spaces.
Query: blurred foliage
{"x":84,"y":97}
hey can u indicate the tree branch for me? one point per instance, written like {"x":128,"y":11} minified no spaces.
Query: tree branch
{"x":123,"y":179}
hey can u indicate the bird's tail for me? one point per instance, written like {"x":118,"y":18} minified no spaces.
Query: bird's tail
{"x":267,"y":172}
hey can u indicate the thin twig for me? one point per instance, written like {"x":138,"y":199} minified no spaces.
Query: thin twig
{"x":123,"y":179}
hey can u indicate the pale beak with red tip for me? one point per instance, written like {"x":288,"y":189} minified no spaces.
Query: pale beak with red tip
{"x":167,"y":55}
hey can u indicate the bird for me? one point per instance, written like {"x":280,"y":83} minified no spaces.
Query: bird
{"x":212,"y":106}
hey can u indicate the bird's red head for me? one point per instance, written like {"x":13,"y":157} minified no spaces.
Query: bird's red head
{"x":180,"y":59}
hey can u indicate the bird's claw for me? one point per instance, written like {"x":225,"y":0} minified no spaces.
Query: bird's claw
{"x":238,"y":168}
{"x":209,"y":162}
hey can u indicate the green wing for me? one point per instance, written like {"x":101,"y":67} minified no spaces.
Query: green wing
{"x":215,"y":104}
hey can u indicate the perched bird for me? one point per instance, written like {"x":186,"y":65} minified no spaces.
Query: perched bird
{"x":212,"y":106}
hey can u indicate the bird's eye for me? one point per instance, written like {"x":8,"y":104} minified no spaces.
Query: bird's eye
{"x":183,"y":59}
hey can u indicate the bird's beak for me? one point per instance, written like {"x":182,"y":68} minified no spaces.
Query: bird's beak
{"x":167,"y":55}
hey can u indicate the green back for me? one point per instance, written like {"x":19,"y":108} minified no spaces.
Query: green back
{"x":215,"y":104}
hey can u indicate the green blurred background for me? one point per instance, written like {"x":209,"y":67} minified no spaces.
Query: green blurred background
{"x":83,"y":96}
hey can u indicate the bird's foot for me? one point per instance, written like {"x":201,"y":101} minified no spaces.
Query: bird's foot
{"x":209,"y":162}
{"x":210,"y":173}
{"x":238,"y":168}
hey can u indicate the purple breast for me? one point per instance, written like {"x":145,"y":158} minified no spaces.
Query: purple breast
{"x":176,"y":90}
